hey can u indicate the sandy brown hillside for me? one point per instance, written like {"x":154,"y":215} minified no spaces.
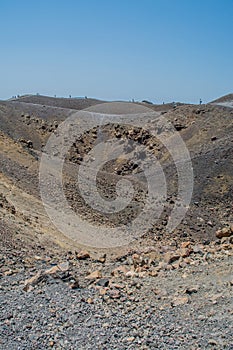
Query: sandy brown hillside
{"x":225,"y":98}
{"x":26,"y":124}
{"x":70,"y":103}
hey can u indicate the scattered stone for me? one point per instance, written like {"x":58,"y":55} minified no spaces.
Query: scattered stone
{"x":197,"y":249}
{"x":213,"y":138}
{"x":185,"y":275}
{"x":114,"y":294}
{"x":153,"y":273}
{"x":8,"y":273}
{"x":103,"y":291}
{"x":94,"y":275}
{"x":177,"y":301}
{"x":41,"y":275}
{"x":90,"y":301}
{"x":83,"y":255}
{"x":130,"y":339}
{"x":224,"y":232}
{"x":191,"y":290}
{"x":37,"y":257}
{"x":74,"y":284}
{"x":52,"y":270}
{"x":131,"y":274}
{"x":64,"y":266}
{"x":106,"y":325}
{"x":103,"y":282}
{"x":101,"y":258}
{"x":185,"y":244}
{"x":184,"y":252}
{"x":120,"y":270}
{"x":33,"y":281}
{"x":161,"y":266}
{"x":117,"y":286}
{"x":170,"y":257}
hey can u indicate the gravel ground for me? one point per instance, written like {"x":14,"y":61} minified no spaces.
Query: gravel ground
{"x":188,"y":308}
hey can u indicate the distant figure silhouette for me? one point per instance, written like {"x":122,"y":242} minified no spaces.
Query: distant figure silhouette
{"x":200,"y":101}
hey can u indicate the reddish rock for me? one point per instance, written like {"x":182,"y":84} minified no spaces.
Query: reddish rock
{"x":90,"y":301}
{"x":153,"y":273}
{"x":32,"y":281}
{"x":184,"y":252}
{"x":185,"y":244}
{"x":224,"y":232}
{"x":103,"y":291}
{"x":84,"y":254}
{"x":179,"y":301}
{"x":94,"y":275}
{"x":170,"y":257}
{"x":52,"y":270}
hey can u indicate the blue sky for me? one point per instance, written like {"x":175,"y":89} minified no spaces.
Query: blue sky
{"x":159,"y":50}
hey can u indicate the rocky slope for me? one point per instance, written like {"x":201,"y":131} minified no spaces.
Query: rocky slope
{"x":166,"y":291}
{"x":226,"y":101}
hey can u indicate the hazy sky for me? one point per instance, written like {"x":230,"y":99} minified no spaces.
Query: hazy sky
{"x":159,"y":50}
